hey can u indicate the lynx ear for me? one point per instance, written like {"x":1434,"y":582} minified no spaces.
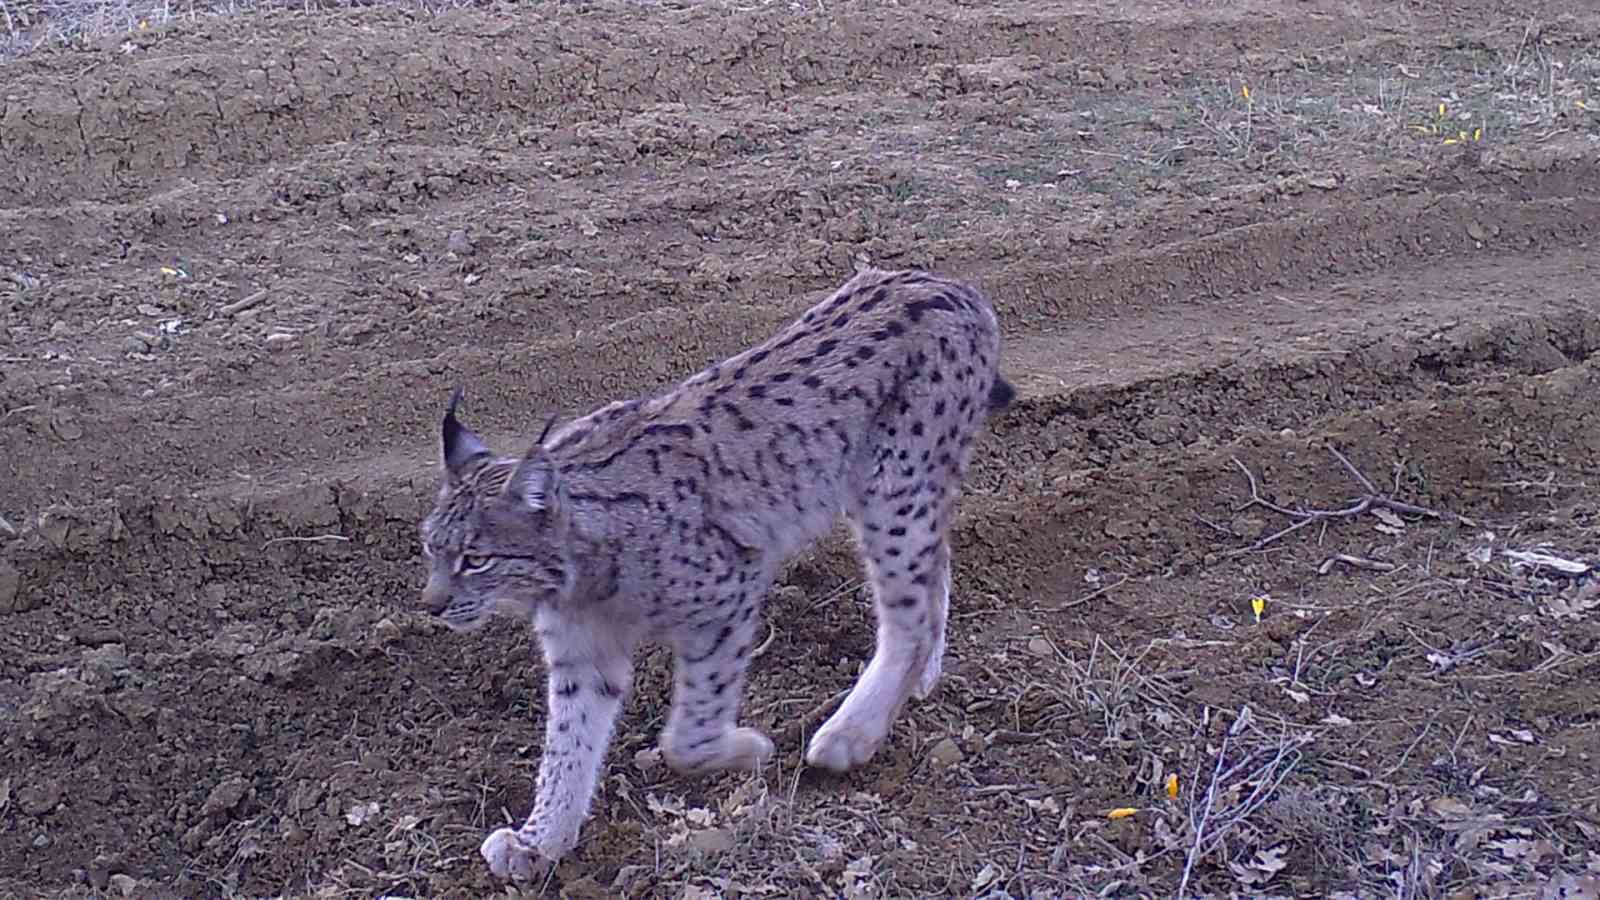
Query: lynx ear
{"x":458,"y":445}
{"x":533,"y":483}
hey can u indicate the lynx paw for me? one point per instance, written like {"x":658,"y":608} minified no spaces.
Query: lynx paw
{"x":510,"y":856}
{"x":739,"y":750}
{"x":747,"y":750}
{"x":841,"y":745}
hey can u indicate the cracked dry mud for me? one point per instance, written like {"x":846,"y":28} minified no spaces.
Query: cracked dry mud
{"x":242,"y":264}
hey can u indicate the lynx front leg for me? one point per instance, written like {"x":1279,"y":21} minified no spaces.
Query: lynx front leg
{"x":702,"y":733}
{"x":590,"y":674}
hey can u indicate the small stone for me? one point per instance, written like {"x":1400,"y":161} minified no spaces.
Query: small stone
{"x":1477,"y":231}
{"x":1122,"y":529}
{"x":39,"y":797}
{"x":712,"y":840}
{"x":135,"y":344}
{"x":279,"y":340}
{"x":65,"y":425}
{"x":647,"y":760}
{"x":41,"y":841}
{"x":101,"y":870}
{"x":1246,"y":526}
{"x":97,"y":635}
{"x":225,"y":796}
{"x":387,"y":631}
{"x":946,"y":754}
{"x":788,"y":595}
{"x":1041,"y":647}
{"x":124,"y":884}
{"x":459,"y":243}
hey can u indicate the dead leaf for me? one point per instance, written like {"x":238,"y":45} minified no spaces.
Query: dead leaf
{"x":857,"y":878}
{"x":1165,"y":836}
{"x":1450,"y":808}
{"x":989,"y":874}
{"x":1389,"y":522}
{"x":1512,"y":738}
{"x":1261,"y":868}
{"x":700,"y":817}
{"x":361,"y":813}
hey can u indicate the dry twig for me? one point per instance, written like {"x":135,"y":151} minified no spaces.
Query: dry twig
{"x":312,"y":539}
{"x":1303,"y":516}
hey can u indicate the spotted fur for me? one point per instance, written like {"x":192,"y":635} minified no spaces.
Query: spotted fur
{"x":668,"y":517}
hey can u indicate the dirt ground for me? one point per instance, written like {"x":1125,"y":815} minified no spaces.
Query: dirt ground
{"x":244,"y":259}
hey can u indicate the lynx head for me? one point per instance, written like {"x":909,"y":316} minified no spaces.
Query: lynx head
{"x":496,"y":539}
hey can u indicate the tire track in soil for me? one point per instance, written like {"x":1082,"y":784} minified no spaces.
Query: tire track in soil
{"x":229,"y":101}
{"x":1110,"y":307}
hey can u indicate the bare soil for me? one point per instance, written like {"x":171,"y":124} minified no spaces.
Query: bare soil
{"x":244,"y":259}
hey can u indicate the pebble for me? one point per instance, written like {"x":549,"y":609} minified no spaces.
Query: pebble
{"x":712,"y":840}
{"x":225,"y":796}
{"x":647,"y":759}
{"x":1041,"y":647}
{"x":279,"y":340}
{"x":946,"y":754}
{"x":788,"y":595}
{"x":135,"y":344}
{"x":125,"y":884}
{"x":459,"y":243}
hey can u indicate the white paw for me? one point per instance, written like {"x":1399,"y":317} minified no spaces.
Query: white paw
{"x":748,"y":750}
{"x":509,"y":856}
{"x":739,"y":750}
{"x":840,"y":746}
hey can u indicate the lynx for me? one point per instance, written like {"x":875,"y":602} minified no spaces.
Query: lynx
{"x":667,"y":519}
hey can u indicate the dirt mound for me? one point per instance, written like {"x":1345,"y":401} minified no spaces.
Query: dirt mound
{"x":246,"y":259}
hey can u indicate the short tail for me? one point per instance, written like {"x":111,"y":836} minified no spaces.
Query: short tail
{"x":1001,"y":393}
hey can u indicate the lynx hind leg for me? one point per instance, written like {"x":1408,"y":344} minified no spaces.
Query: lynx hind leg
{"x":938,"y":619}
{"x":903,"y":548}
{"x":702,"y":734}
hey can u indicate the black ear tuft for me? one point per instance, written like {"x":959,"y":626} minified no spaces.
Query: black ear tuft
{"x":548,"y":424}
{"x":458,"y":445}
{"x":533,"y":483}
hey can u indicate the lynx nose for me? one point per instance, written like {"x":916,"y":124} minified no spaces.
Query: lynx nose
{"x":436,"y":595}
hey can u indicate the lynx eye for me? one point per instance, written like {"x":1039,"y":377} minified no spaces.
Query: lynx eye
{"x":470,"y":563}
